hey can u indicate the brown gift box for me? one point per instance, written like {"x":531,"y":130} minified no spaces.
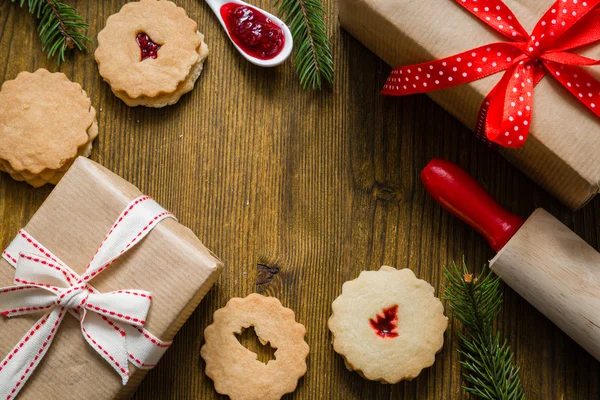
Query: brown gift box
{"x":170,"y":262}
{"x":563,"y":148}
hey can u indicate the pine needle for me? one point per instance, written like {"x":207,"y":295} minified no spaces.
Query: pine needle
{"x":60,"y":27}
{"x":313,"y":59}
{"x":487,"y":361}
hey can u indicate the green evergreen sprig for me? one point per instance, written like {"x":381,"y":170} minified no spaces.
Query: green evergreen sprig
{"x":487,"y":361}
{"x":313,"y":59}
{"x":59,"y":26}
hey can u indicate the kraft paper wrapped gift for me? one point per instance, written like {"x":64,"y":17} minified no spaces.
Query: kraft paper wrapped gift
{"x":562,"y":152}
{"x":170,"y":262}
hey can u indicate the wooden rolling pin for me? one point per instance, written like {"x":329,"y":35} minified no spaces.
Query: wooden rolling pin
{"x":540,"y":258}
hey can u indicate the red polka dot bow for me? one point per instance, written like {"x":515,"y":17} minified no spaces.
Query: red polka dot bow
{"x":111,"y":323}
{"x":567,"y":25}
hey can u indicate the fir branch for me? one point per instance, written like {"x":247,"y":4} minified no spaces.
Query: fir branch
{"x":60,"y":27}
{"x":487,"y":360}
{"x":313,"y":59}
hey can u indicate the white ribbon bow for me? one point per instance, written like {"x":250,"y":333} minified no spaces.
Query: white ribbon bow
{"x":112,"y":323}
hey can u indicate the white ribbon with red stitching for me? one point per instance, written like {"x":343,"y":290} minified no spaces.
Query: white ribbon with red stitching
{"x":112,"y":323}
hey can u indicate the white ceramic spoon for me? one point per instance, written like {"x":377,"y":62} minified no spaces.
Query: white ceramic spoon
{"x":216,"y":5}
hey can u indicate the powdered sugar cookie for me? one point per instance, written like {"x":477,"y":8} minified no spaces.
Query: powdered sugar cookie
{"x":235,"y":370}
{"x":150,"y":53}
{"x":387,"y":325}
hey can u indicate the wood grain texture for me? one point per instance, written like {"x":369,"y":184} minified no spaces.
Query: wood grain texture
{"x":299,"y":191}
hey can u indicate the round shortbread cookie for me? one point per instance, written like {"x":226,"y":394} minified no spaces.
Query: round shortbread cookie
{"x":156,"y":69}
{"x":388,"y":325}
{"x":170,"y":98}
{"x":44,"y":120}
{"x":234,"y":369}
{"x":49,"y":175}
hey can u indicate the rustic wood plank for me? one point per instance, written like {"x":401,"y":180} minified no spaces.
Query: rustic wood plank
{"x":299,"y":191}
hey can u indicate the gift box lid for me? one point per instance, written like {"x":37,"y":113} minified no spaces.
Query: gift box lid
{"x":561,"y":153}
{"x":170,"y":262}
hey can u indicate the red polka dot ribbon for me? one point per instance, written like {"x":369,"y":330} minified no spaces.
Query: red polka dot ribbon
{"x":111,"y":323}
{"x":505,"y":115}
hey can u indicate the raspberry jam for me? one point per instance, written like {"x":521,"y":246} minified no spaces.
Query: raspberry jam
{"x":253,"y":31}
{"x":385,"y":325}
{"x":147,"y":46}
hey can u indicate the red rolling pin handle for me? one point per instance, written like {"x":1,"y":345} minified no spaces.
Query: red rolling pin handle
{"x":460,"y":194}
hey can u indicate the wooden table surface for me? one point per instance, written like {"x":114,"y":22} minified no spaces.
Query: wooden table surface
{"x":297,"y":192}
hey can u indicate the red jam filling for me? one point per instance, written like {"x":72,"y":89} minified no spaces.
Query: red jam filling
{"x":385,"y":325}
{"x":147,"y":46}
{"x":255,"y":33}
